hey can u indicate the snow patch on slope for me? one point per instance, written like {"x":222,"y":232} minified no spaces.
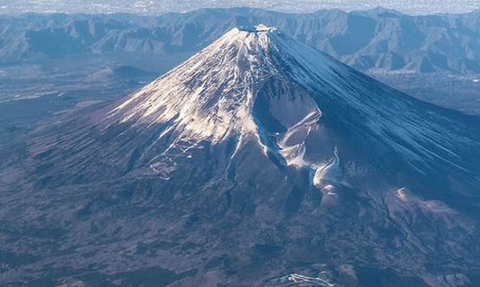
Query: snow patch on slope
{"x":292,"y":143}
{"x":330,"y":174}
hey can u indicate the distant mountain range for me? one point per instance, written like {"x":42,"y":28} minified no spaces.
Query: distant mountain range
{"x":377,"y":40}
{"x":162,"y":6}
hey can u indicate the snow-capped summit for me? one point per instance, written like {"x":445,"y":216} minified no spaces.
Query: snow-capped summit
{"x":261,"y":85}
{"x":228,"y":89}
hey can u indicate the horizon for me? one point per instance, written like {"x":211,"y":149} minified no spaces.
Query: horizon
{"x":160,"y":7}
{"x":132,"y":13}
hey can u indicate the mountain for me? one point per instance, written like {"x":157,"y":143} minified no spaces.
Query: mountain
{"x":260,"y":161}
{"x":373,"y":40}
